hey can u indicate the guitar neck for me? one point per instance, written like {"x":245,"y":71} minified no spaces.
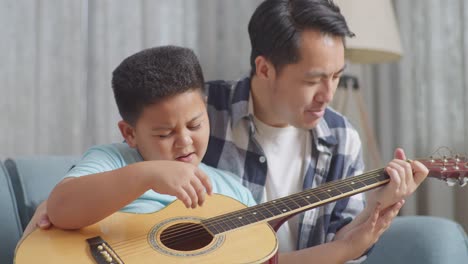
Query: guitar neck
{"x":296,"y":203}
{"x":451,"y":170}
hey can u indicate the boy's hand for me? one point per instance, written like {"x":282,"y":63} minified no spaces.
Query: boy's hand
{"x":40,"y":219}
{"x":405,"y":177}
{"x":183,"y":180}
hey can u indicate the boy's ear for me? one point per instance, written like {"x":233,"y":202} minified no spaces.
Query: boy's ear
{"x":128,"y":133}
{"x":264,"y":69}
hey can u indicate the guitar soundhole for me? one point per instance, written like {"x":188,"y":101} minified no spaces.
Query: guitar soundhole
{"x":186,"y":237}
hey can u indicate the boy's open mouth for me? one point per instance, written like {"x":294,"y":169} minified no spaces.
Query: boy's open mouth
{"x":187,"y":157}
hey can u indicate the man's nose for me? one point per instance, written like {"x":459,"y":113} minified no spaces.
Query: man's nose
{"x":325,"y":95}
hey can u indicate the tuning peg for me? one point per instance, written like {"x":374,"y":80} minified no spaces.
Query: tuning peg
{"x":462,"y":181}
{"x":445,"y":160}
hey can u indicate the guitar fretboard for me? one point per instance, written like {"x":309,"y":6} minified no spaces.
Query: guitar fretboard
{"x":296,"y":203}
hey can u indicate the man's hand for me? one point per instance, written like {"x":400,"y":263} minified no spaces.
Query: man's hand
{"x":405,"y":178}
{"x":364,"y":235}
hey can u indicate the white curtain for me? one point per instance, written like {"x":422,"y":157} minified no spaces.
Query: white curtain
{"x":57,"y":57}
{"x":421,"y":102}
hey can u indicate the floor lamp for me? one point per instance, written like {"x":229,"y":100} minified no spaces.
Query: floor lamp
{"x":377,"y":40}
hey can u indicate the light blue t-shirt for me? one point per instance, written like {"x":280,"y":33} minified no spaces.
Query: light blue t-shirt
{"x":114,"y":156}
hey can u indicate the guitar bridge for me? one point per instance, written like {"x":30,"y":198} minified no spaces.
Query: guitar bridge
{"x":102,"y":252}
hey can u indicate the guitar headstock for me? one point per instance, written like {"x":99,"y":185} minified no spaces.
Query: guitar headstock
{"x":451,"y":169}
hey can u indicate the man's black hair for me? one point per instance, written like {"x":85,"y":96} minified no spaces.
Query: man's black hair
{"x":276,"y":25}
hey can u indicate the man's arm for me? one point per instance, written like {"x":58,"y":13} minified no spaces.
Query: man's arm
{"x":361,"y":231}
{"x":351,"y":244}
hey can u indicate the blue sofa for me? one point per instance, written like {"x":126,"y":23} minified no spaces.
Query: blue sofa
{"x":27,"y":181}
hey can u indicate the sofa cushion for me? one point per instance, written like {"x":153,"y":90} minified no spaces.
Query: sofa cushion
{"x":33,"y":178}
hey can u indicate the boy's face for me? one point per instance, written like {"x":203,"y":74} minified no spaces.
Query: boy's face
{"x":176,"y":128}
{"x":302,"y":91}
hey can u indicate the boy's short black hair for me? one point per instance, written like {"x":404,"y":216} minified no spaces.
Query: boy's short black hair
{"x":276,"y":25}
{"x":152,"y":75}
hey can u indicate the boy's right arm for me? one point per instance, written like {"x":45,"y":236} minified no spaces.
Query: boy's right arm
{"x":82,"y":201}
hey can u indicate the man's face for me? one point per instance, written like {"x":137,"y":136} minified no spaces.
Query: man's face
{"x":302,"y":91}
{"x":176,"y":128}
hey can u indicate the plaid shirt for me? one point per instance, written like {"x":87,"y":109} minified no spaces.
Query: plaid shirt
{"x":335,"y":154}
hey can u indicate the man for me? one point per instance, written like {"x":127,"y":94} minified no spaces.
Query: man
{"x":275,"y":131}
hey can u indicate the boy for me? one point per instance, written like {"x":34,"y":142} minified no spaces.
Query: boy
{"x":165,"y":125}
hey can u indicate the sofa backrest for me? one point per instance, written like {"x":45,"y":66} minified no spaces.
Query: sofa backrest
{"x":33,"y":178}
{"x":10,"y":229}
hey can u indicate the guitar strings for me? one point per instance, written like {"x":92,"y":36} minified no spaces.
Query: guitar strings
{"x":176,"y":231}
{"x":321,"y":187}
{"x":148,"y":249}
{"x":248,"y":212}
{"x":222,"y":218}
{"x":296,"y":198}
{"x":176,"y":234}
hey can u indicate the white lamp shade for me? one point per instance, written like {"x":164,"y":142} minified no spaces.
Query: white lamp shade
{"x":377,"y":38}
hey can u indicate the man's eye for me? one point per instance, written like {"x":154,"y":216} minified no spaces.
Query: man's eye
{"x":312,"y":82}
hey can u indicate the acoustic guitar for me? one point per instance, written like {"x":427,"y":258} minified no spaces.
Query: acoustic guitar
{"x":222,"y":231}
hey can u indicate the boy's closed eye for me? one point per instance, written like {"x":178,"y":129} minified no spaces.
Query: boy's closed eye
{"x":163,"y":135}
{"x":195,"y":126}
{"x":168,"y":134}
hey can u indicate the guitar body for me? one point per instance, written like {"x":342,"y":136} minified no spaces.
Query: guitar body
{"x":138,"y":238}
